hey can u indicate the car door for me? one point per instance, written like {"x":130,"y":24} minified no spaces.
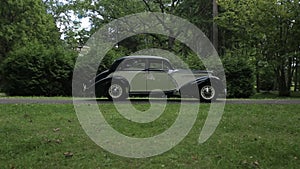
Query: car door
{"x":158,"y":77}
{"x":134,"y":71}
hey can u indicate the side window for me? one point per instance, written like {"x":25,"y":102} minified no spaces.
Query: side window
{"x":166,"y":65}
{"x":159,"y":65}
{"x":156,"y":65}
{"x":133,"y":65}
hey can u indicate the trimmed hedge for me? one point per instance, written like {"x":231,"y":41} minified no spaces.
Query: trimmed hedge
{"x":35,"y":70}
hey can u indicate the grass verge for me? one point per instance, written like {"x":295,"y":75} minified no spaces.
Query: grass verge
{"x":248,"y":136}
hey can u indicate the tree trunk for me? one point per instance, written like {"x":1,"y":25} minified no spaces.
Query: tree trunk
{"x":296,"y":80}
{"x":215,"y":27}
{"x":290,"y":73}
{"x":171,"y":42}
{"x":284,"y":89}
{"x":257,"y":78}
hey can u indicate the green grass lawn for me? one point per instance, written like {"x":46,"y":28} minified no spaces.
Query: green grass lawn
{"x":248,"y":136}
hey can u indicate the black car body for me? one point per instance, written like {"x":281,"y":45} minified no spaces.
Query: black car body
{"x":153,"y":75}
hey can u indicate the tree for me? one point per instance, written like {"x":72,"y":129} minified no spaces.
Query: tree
{"x":104,"y":11}
{"x":67,"y":16}
{"x":33,"y":60}
{"x":25,"y":21}
{"x":271,"y":28}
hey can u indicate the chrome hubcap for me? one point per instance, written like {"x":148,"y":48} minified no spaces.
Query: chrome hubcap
{"x":207,"y":92}
{"x":115,"y":91}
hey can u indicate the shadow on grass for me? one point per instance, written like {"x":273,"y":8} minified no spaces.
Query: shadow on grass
{"x":138,"y":100}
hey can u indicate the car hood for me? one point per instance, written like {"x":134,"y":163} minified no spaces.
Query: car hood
{"x":97,"y":78}
{"x":101,"y":75}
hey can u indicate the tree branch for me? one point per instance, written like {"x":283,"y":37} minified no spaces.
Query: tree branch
{"x":147,"y":5}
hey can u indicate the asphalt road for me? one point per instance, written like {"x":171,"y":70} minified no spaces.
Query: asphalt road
{"x":13,"y":100}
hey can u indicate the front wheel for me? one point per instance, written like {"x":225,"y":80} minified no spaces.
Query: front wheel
{"x":117,"y":91}
{"x":207,"y":93}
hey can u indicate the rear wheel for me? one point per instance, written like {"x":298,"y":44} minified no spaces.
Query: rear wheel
{"x":207,"y":93}
{"x":117,"y":91}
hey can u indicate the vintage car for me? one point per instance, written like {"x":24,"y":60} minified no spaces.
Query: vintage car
{"x":155,"y":76}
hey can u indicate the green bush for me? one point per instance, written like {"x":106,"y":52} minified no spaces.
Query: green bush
{"x":36,"y":70}
{"x":239,"y":76}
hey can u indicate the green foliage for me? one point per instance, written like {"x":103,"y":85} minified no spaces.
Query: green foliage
{"x":198,"y":12}
{"x":193,"y":61}
{"x":239,"y":75}
{"x":270,"y":26}
{"x":34,"y":62}
{"x":37,"y":70}
{"x":104,"y":11}
{"x":111,"y":56}
{"x":266,"y":75}
{"x":25,"y":21}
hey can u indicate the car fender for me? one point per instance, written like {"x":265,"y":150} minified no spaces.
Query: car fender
{"x":207,"y":79}
{"x":192,"y":86}
{"x":213,"y":80}
{"x":105,"y":83}
{"x":120,"y":79}
{"x":101,"y":86}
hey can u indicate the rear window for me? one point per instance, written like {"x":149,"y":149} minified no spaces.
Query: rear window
{"x":156,"y":64}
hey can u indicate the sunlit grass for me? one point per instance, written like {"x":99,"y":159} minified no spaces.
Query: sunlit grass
{"x":248,"y":136}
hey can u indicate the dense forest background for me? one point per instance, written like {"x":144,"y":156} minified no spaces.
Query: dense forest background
{"x":257,"y":40}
